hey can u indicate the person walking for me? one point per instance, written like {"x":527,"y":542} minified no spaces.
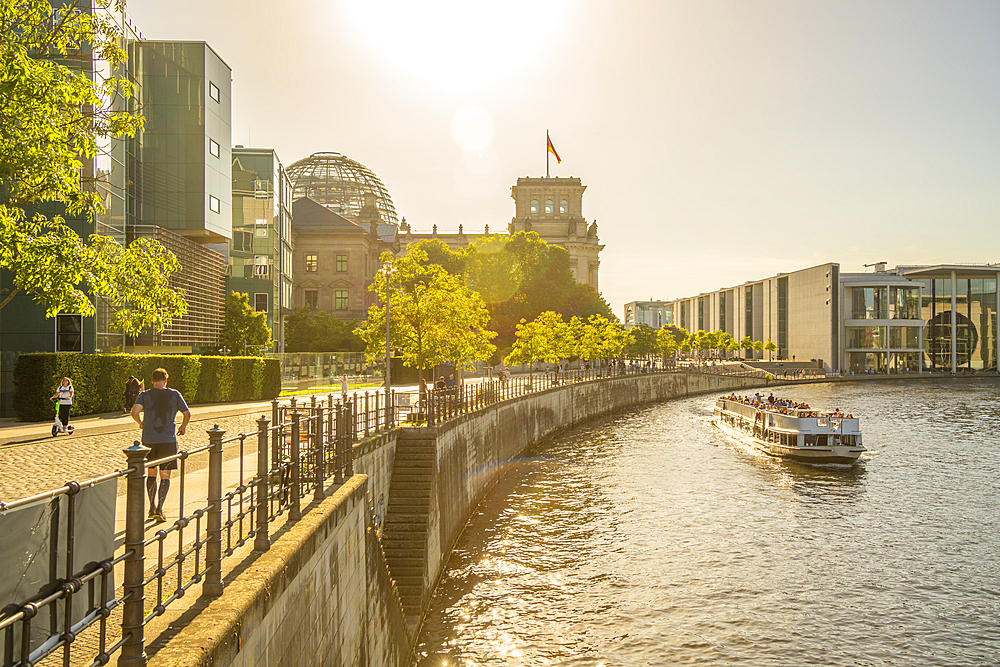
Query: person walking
{"x":64,"y":396}
{"x":154,"y":411}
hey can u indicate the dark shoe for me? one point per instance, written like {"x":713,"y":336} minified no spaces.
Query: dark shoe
{"x":159,"y":517}
{"x":152,"y":512}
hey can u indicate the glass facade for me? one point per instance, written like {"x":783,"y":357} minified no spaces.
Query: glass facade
{"x":869,"y":303}
{"x":782,"y":318}
{"x":974,"y":320}
{"x":261,"y":217}
{"x":185,"y":188}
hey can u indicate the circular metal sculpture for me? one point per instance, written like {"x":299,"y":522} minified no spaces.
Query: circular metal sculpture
{"x":937,"y":339}
{"x":340,"y":184}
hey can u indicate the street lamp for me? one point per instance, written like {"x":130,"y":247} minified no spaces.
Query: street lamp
{"x":387,"y":271}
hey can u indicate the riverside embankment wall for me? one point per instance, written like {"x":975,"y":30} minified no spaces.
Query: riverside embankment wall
{"x":324,"y":594}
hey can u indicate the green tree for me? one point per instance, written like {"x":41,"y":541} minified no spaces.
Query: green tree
{"x":598,"y":338}
{"x":320,"y":332}
{"x":746,"y":343}
{"x":770,"y":347}
{"x":243,"y":328}
{"x":670,"y":338}
{"x":521,"y":276}
{"x":758,"y":346}
{"x":434,"y":318}
{"x":643,"y":343}
{"x":54,"y":113}
{"x":546,"y":338}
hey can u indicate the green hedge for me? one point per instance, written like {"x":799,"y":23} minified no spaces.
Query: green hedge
{"x":99,"y":380}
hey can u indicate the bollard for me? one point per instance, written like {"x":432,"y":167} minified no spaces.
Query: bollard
{"x":295,"y":512}
{"x":213,"y":544}
{"x":133,"y":650}
{"x":261,"y":542}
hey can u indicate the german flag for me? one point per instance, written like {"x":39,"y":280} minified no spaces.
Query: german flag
{"x":552,"y":149}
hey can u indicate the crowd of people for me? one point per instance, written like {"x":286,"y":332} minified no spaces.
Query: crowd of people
{"x":782,"y":406}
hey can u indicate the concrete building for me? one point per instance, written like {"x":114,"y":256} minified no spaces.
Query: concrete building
{"x":939,"y":318}
{"x":260,"y":253}
{"x":655,"y":314}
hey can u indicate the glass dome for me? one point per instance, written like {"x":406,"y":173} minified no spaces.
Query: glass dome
{"x":340,"y":184}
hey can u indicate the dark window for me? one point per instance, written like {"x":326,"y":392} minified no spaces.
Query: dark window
{"x":69,"y":332}
{"x":214,"y":205}
{"x":340,"y":300}
{"x":341,"y":263}
{"x":260,"y":302}
{"x":214,"y":92}
{"x":312,"y":299}
{"x":312,"y":263}
{"x":782,"y":318}
{"x":214,"y":148}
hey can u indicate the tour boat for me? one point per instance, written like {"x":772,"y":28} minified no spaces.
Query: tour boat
{"x":803,"y":435}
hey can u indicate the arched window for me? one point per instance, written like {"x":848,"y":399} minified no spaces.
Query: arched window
{"x":534,"y":206}
{"x":549,"y":206}
{"x":564,"y":206}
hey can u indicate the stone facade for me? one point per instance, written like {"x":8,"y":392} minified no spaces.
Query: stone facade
{"x":334,"y":257}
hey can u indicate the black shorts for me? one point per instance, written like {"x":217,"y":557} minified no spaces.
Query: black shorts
{"x":159,"y":450}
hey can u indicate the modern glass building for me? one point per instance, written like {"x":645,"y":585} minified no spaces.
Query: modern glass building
{"x":910,"y":319}
{"x":186,"y":161}
{"x":260,"y":253}
{"x":175,"y":175}
{"x":655,"y":314}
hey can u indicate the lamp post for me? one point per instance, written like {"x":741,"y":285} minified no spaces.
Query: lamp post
{"x":387,"y":270}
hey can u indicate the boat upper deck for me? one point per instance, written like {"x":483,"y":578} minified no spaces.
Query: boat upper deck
{"x":801,"y":420}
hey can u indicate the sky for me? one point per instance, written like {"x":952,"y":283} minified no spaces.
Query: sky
{"x":720,"y":142}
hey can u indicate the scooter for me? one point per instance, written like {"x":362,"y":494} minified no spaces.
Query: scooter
{"x":58,"y":428}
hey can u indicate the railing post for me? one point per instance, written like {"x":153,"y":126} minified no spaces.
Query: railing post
{"x":338,"y":450}
{"x":295,"y":511}
{"x":213,"y":546}
{"x":366,"y":414}
{"x":348,"y":443}
{"x":316,"y":433}
{"x":133,"y":650}
{"x":275,"y":445}
{"x":261,"y":541}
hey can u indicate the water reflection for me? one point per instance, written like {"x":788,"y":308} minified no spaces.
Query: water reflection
{"x":650,"y":538}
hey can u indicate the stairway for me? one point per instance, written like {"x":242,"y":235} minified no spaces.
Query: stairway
{"x":405,"y":530}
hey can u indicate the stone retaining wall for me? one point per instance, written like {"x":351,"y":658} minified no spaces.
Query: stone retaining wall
{"x":324,"y":595}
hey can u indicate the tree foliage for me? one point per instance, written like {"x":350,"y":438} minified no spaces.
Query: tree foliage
{"x":549,"y":338}
{"x":434,"y":318}
{"x":643,"y":343}
{"x":55,"y":112}
{"x":320,"y":332}
{"x":518,"y":277}
{"x":243,"y":328}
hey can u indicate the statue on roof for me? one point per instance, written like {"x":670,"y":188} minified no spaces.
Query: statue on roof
{"x":593,"y":229}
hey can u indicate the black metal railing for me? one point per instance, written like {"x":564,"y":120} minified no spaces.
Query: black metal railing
{"x":221,"y":507}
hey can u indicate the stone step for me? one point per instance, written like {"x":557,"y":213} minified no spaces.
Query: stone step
{"x":411,"y":490}
{"x":410,"y":530}
{"x":410,"y":473}
{"x":409,"y":584}
{"x":406,"y":555}
{"x":414,"y":463}
{"x":416,"y":571}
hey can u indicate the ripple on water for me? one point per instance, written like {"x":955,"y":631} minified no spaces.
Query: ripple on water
{"x":650,"y":538}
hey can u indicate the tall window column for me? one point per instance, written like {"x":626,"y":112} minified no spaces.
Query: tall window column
{"x":954,"y":324}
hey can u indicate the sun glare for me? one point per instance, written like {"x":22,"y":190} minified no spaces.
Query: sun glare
{"x":457,"y":45}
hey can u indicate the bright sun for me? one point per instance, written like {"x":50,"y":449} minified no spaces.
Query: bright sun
{"x":455,"y":45}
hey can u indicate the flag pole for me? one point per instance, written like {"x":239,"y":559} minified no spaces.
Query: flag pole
{"x":546,"y":153}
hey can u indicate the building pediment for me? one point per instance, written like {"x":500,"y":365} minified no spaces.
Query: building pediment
{"x":340,"y":283}
{"x":310,"y":283}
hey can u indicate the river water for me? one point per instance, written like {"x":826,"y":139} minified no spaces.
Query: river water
{"x":652,"y":538}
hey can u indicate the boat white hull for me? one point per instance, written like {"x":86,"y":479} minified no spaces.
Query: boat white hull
{"x":826,"y":455}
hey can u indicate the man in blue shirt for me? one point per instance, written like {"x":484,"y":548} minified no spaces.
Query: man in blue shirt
{"x":154,"y":410}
